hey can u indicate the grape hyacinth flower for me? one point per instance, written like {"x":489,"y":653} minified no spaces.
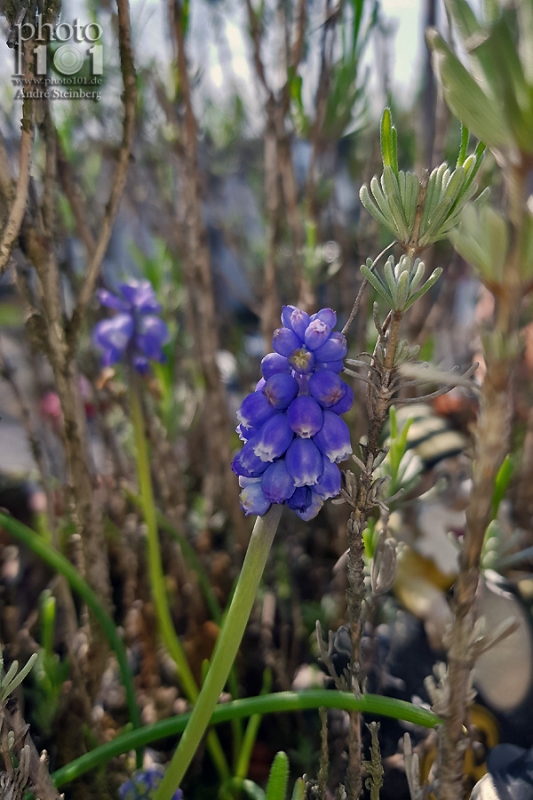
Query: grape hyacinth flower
{"x":136,"y":332}
{"x":290,"y":425}
{"x":143,"y":784}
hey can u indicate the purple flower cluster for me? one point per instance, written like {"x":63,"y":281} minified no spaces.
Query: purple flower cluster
{"x":293,"y":434}
{"x":143,"y":784}
{"x":135,"y":331}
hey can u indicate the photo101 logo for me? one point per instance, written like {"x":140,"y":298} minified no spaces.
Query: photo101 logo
{"x":73,"y":51}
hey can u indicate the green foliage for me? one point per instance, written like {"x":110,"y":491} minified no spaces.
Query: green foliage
{"x":50,"y":673}
{"x":62,"y":566}
{"x":494,"y":99}
{"x":278,"y":778}
{"x":389,"y":142}
{"x":398,"y":287}
{"x":299,"y":790}
{"x":501,"y":484}
{"x":482,"y":238}
{"x":401,"y":465}
{"x":418,"y":216}
{"x":13,"y":677}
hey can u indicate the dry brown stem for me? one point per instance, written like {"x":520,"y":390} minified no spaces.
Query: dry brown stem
{"x":492,"y":442}
{"x":18,"y":206}
{"x":119,"y":181}
{"x":199,"y":282}
{"x":380,"y":391}
{"x":39,"y":777}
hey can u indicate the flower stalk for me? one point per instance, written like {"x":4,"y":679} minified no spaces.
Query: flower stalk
{"x":226,"y":650}
{"x":155,"y":570}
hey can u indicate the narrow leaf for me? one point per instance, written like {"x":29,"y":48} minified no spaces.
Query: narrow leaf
{"x":465,"y":136}
{"x":481,"y":114}
{"x":278,"y":778}
{"x":388,"y":142}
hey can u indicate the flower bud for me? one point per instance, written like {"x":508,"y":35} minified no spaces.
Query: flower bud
{"x":253,"y":500}
{"x":255,"y":410}
{"x":280,"y":389}
{"x":333,"y":439}
{"x":274,"y":438}
{"x":304,"y":462}
{"x":273,"y":363}
{"x":276,"y":482}
{"x":317,"y":334}
{"x":329,"y":484}
{"x":334,"y":349}
{"x":246,"y":463}
{"x":305,"y":416}
{"x":327,"y":387}
{"x":285,"y":341}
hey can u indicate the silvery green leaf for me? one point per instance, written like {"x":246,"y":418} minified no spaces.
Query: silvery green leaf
{"x":9,"y":683}
{"x":455,"y":184}
{"x":432,"y":197}
{"x":383,"y":205}
{"x":482,"y":198}
{"x":464,"y":18}
{"x":526,"y":251}
{"x":417,"y":275}
{"x":411,"y":198}
{"x":431,"y":281}
{"x":12,"y":671}
{"x":436,"y":221}
{"x":390,"y":277}
{"x":372,"y":208}
{"x":402,"y":185}
{"x":525,"y":42}
{"x":482,"y":238}
{"x":507,"y":82}
{"x":390,"y":183}
{"x":402,"y":291}
{"x":378,"y":286}
{"x":474,"y":108}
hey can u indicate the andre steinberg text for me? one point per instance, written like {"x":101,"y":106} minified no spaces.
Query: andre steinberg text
{"x":76,"y":54}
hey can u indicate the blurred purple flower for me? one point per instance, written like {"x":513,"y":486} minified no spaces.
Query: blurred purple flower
{"x":135,"y":332}
{"x":293,"y":435}
{"x":143,"y":783}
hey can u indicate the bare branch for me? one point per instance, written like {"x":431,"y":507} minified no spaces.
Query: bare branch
{"x":427,"y":373}
{"x":359,"y":297}
{"x":255,"y":32}
{"x":130,"y":96}
{"x":73,"y":195}
{"x":298,"y":46}
{"x":16,"y":213}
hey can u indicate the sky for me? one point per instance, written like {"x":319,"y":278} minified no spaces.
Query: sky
{"x":220,"y":48}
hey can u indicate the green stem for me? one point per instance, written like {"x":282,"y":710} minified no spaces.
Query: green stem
{"x":190,"y":556}
{"x":155,"y":571}
{"x":59,"y":563}
{"x":244,"y":755}
{"x":281,"y":702}
{"x":229,"y":640}
{"x":209,"y":597}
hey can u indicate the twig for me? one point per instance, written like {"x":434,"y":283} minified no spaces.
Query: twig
{"x":16,"y":212}
{"x":358,"y":299}
{"x":39,"y":776}
{"x":68,"y":184}
{"x":106,"y":226}
{"x":492,"y":442}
